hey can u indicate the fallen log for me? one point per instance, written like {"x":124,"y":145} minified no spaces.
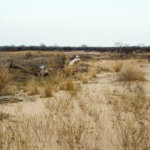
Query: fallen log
{"x":11,"y":99}
{"x":14,"y":66}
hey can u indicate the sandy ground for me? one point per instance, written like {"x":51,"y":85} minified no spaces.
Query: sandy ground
{"x":98,"y":87}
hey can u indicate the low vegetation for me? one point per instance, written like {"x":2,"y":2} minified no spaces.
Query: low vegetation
{"x":55,"y":127}
{"x":48,"y":90}
{"x":33,"y":87}
{"x":68,"y":115}
{"x":131,"y":120}
{"x":5,"y":79}
{"x":117,"y":66}
{"x":92,"y":73}
{"x":68,"y":71}
{"x":131,"y":72}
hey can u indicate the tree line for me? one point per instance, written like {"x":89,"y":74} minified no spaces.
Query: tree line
{"x":129,"y":49}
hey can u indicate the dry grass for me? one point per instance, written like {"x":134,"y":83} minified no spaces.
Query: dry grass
{"x":70,"y":86}
{"x":55,"y":128}
{"x":137,"y":103}
{"x":85,"y":79}
{"x":28,"y":133}
{"x":68,"y":71}
{"x":32,"y":87}
{"x":131,"y":72}
{"x":78,"y":131}
{"x":130,"y":119}
{"x":5,"y":78}
{"x":92,"y":73}
{"x":55,"y":79}
{"x":29,"y":54}
{"x":67,"y":85}
{"x":48,"y":89}
{"x":133,"y":135}
{"x":59,"y":60}
{"x":148,"y":58}
{"x":74,"y":121}
{"x":4,"y":116}
{"x":117,"y":66}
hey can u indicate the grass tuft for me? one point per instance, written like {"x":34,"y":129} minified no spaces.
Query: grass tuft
{"x":32,"y":87}
{"x":48,"y":90}
{"x":131,"y":72}
{"x":117,"y":66}
{"x":68,"y":71}
{"x":5,"y":78}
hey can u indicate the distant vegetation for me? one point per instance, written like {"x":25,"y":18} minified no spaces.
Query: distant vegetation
{"x":84,"y":48}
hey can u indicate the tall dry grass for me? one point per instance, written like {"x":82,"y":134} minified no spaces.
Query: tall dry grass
{"x":68,"y":71}
{"x":70,"y":86}
{"x":117,"y":66}
{"x":26,"y":133}
{"x":131,"y":72}
{"x":33,"y":87}
{"x":5,"y":78}
{"x":92,"y":73}
{"x":48,"y":89}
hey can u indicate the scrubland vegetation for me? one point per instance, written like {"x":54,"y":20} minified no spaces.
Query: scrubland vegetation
{"x":99,"y":103}
{"x":131,"y":72}
{"x":131,"y":120}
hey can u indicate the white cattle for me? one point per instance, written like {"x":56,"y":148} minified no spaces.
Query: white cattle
{"x":76,"y":59}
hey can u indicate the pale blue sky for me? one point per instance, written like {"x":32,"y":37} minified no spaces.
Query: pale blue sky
{"x":74,"y":22}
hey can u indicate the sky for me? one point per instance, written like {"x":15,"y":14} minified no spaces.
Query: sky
{"x":74,"y":22}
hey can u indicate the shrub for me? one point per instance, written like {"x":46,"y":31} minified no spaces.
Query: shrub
{"x":131,"y":72}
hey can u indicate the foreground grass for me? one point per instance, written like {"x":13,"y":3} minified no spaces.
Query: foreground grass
{"x":73,"y":120}
{"x":131,"y":113}
{"x":66,"y":123}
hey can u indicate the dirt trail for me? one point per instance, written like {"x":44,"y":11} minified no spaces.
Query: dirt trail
{"x":105,"y":82}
